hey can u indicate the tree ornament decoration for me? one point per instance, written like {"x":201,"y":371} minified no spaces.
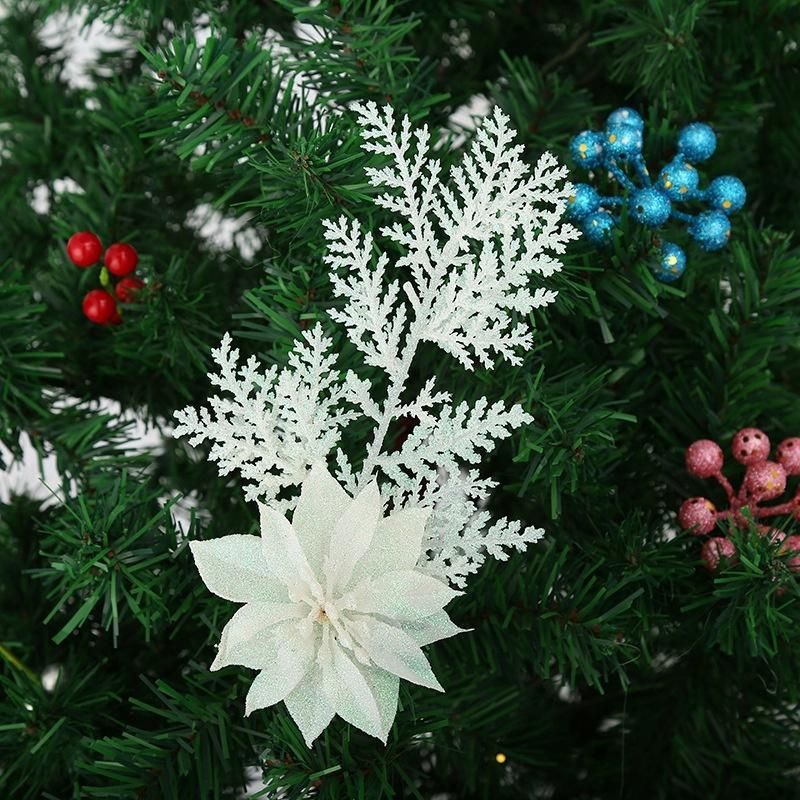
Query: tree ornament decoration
{"x":623,"y":142}
{"x":121,"y":259}
{"x":788,"y":453}
{"x":84,"y":249}
{"x":697,"y":142}
{"x":625,"y":116}
{"x":472,"y":248}
{"x":618,"y":151}
{"x":336,"y":610}
{"x":764,"y":480}
{"x":597,"y":227}
{"x":582,"y":202}
{"x":726,"y":194}
{"x":791,"y":544}
{"x":650,"y":207}
{"x":710,"y":229}
{"x":698,"y":515}
{"x":671,"y":263}
{"x":678,"y":180}
{"x":704,"y":458}
{"x":587,"y":149}
{"x":750,"y":446}
{"x":99,"y":306}
{"x":717,"y":551}
{"x":127,"y":289}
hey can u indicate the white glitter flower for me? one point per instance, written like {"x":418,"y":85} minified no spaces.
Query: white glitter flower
{"x":335,"y":611}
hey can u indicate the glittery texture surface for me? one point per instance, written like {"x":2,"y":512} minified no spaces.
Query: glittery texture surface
{"x":750,"y":445}
{"x":764,"y":480}
{"x":697,"y":142}
{"x":678,"y":180}
{"x":335,"y":609}
{"x":653,"y":203}
{"x":717,"y":550}
{"x":698,"y":516}
{"x":650,"y":207}
{"x":789,"y":455}
{"x":726,"y":194}
{"x":710,"y":230}
{"x":597,"y":227}
{"x":791,"y":544}
{"x":671,"y":263}
{"x":704,"y":458}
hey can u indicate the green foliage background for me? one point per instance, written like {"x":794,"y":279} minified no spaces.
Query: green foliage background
{"x":604,"y":663}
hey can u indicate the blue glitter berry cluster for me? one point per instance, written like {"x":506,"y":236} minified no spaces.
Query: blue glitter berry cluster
{"x":618,"y":149}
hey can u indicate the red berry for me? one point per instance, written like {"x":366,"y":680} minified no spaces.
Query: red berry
{"x":789,"y":455}
{"x":716,"y":550}
{"x":704,"y":458}
{"x":84,"y":249}
{"x":698,"y":516}
{"x":750,"y":446}
{"x":791,"y":545}
{"x":128,"y":288}
{"x":121,"y":259}
{"x":765,"y":480}
{"x":99,"y":306}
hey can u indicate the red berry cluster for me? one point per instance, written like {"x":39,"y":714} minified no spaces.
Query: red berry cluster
{"x":84,"y":249}
{"x":764,"y":480}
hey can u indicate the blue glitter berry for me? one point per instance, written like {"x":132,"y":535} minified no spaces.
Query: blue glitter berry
{"x":678,"y":180}
{"x":726,"y":194}
{"x":711,"y":230}
{"x":617,"y":151}
{"x":597,"y":227}
{"x":583,"y":201}
{"x":697,"y":142}
{"x":622,"y":141}
{"x":625,"y":116}
{"x":650,"y":207}
{"x":671,"y":263}
{"x":587,"y":149}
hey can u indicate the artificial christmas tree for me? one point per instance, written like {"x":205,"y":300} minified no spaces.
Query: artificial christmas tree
{"x":218,"y":138}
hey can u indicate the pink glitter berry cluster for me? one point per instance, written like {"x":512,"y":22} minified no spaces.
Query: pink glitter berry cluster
{"x":764,"y":480}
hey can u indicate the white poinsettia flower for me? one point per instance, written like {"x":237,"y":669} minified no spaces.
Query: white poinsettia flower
{"x":335,"y":609}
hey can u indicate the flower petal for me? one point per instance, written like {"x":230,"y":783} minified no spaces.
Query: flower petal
{"x":352,"y":535}
{"x":347,"y":689}
{"x":288,"y":664}
{"x":403,"y":596}
{"x":233,"y":567}
{"x":384,"y":687}
{"x":309,"y":707}
{"x":432,"y":629}
{"x":395,"y":651}
{"x":250,"y":636}
{"x":396,"y":545}
{"x":282,"y":551}
{"x":322,"y":502}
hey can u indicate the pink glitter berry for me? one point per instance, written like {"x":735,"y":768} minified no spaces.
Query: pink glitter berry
{"x":698,"y":516}
{"x":765,"y":480}
{"x":750,"y":446}
{"x":704,"y":458}
{"x":747,"y":508}
{"x":715,"y":550}
{"x":791,"y":544}
{"x":789,"y":455}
